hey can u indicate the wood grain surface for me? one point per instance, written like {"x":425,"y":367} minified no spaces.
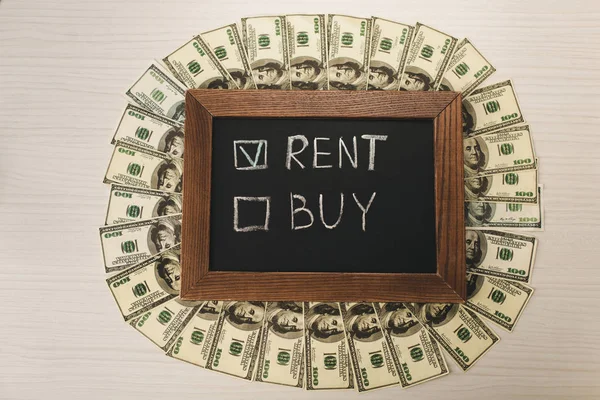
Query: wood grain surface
{"x":446,"y":285}
{"x":64,"y":65}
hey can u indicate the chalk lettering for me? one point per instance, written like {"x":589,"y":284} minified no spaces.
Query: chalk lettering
{"x":297,"y":210}
{"x":372,"y":139}
{"x":365,"y":210}
{"x":339,"y":217}
{"x":292,"y":154}
{"x":354,"y":161}
{"x":317,"y":153}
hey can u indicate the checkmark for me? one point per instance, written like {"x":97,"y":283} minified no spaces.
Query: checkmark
{"x":246,"y":147}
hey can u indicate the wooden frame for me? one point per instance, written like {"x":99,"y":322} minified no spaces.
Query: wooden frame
{"x":448,"y":285}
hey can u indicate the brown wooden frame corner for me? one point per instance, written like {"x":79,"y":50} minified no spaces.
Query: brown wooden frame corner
{"x":448,"y":285}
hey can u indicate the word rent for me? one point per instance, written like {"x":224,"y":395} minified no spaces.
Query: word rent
{"x":252,"y":155}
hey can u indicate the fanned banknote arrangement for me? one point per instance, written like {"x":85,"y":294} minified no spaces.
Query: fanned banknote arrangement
{"x":322,"y":345}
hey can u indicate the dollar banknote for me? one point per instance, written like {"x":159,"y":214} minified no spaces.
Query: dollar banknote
{"x":237,"y":338}
{"x":281,"y":358}
{"x":370,"y":354}
{"x":482,"y":214}
{"x":195,"y":65}
{"x":194,"y":342}
{"x":459,"y":331}
{"x":417,"y":355}
{"x":390,"y":42}
{"x":227,"y":45}
{"x":491,"y":108}
{"x":158,"y":91}
{"x":148,"y":284}
{"x":127,"y":204}
{"x":467,"y":69}
{"x":506,"y":150}
{"x":144,"y":168}
{"x":515,"y":187}
{"x":265,"y":39}
{"x":307,"y":44}
{"x":500,"y":254}
{"x":349,"y":42}
{"x":428,"y":58}
{"x":129,"y":243}
{"x":326,"y":351}
{"x":145,"y":129}
{"x":498,"y":300}
{"x":163,"y":324}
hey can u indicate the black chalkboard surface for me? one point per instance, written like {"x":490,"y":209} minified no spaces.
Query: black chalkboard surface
{"x":268,"y":164}
{"x":264,"y":176}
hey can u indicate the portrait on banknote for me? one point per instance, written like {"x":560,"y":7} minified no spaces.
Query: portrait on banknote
{"x":474,"y":284}
{"x":382,"y":76}
{"x":478,"y":213}
{"x":165,"y":234}
{"x":245,"y":315}
{"x":476,"y":186}
{"x":307,"y":73}
{"x":398,"y":320}
{"x":324,"y":323}
{"x":437,"y":314}
{"x":468,"y":119}
{"x":269,"y":74}
{"x":168,"y":272}
{"x":168,"y":205}
{"x":168,"y":176}
{"x":210,"y":311}
{"x":361,"y":323}
{"x":346,"y":74}
{"x":475,"y":156}
{"x":284,"y":319}
{"x":416,"y":79}
{"x":177,"y":112}
{"x":476,"y":248}
{"x":172,"y":143}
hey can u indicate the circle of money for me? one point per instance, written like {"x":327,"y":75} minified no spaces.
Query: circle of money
{"x":322,"y":345}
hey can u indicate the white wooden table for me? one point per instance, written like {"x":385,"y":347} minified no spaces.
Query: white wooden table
{"x":63,"y":67}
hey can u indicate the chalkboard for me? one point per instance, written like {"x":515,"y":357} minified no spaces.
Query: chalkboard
{"x":399,"y":231}
{"x":264,"y":177}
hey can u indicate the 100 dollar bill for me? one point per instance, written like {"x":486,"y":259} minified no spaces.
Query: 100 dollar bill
{"x":307,"y":44}
{"x":500,"y":254}
{"x":129,"y":243}
{"x":144,"y":168}
{"x":498,"y":300}
{"x":428,"y":58}
{"x":417,"y":355}
{"x":195,"y":65}
{"x":325,"y":348}
{"x":507,"y":150}
{"x":265,"y":39}
{"x":466,"y":70}
{"x":481,"y":215}
{"x":280,"y":358}
{"x":148,"y":284}
{"x":164,"y":323}
{"x":157,"y":91}
{"x":371,"y":356}
{"x":145,"y":129}
{"x":390,"y":42}
{"x":194,"y":343}
{"x":513,"y":187}
{"x":238,"y":334}
{"x":491,"y":108}
{"x":227,"y":45}
{"x":127,"y":204}
{"x":459,"y":331}
{"x":349,"y":48}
